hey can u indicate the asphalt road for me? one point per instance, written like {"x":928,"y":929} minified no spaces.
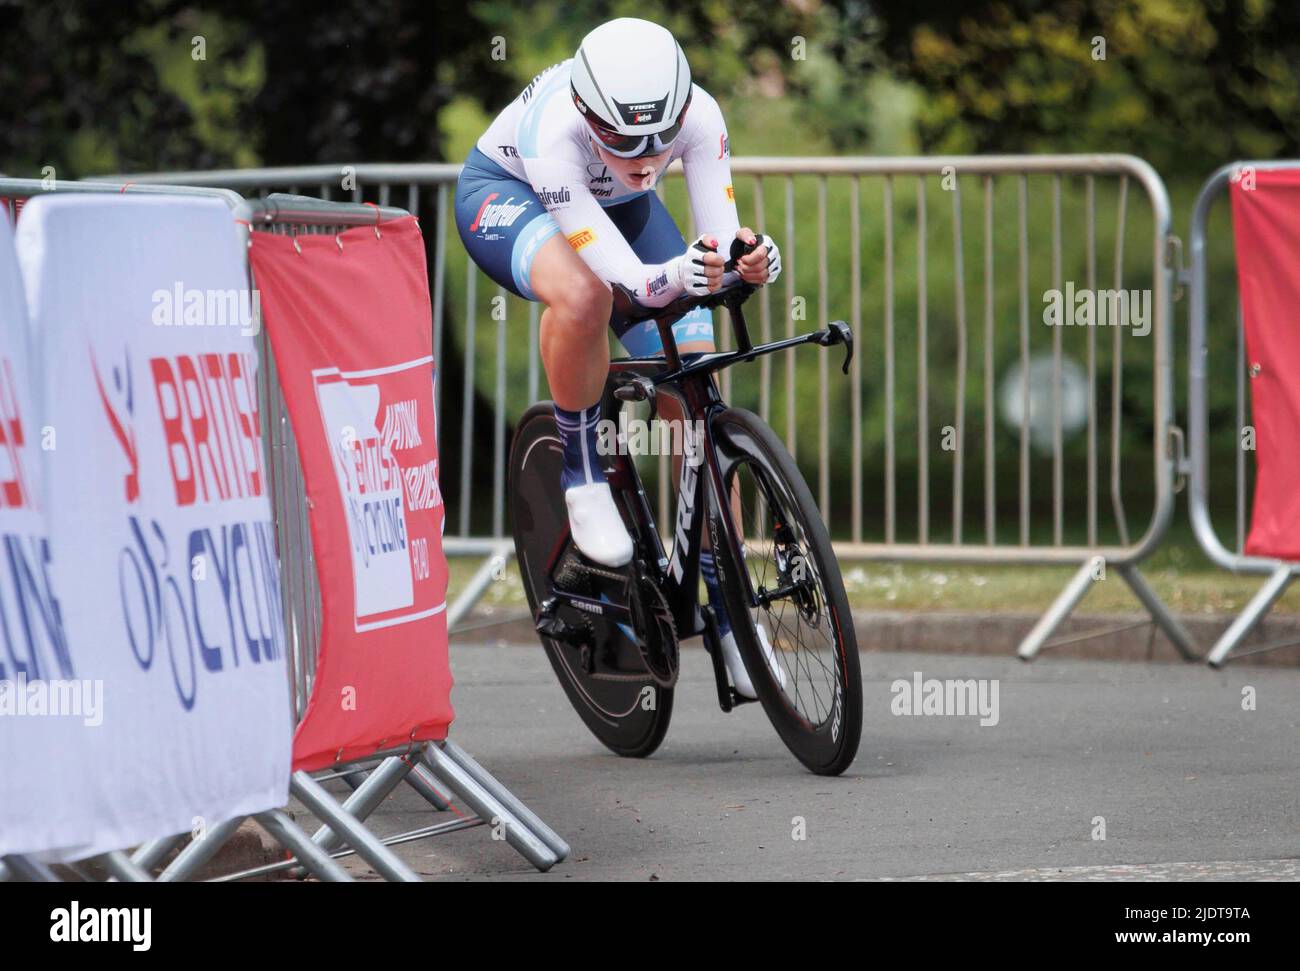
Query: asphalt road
{"x":1189,"y":785}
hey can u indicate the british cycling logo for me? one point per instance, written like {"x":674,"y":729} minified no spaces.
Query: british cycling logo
{"x":724,"y":147}
{"x":379,"y":431}
{"x":554,"y":197}
{"x":35,"y":642}
{"x":204,"y":417}
{"x":491,"y":214}
{"x":38,"y":677}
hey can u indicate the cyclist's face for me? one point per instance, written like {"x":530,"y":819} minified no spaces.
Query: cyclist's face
{"x":635,"y":173}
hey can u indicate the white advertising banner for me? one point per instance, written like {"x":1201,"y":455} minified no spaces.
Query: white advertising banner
{"x":44,"y":709}
{"x":155,"y":488}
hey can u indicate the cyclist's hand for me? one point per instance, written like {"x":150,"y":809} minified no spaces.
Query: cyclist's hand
{"x":763,"y":265}
{"x":700,"y":267}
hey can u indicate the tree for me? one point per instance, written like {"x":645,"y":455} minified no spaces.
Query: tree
{"x":1187,"y":85}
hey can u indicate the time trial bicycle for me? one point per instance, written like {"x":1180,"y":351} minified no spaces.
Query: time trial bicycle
{"x":612,"y":635}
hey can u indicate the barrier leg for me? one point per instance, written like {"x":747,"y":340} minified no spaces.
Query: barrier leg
{"x":423,"y":782}
{"x":199,"y":852}
{"x":149,"y":855}
{"x":1259,"y":605}
{"x":1165,"y":620}
{"x":420,"y":780}
{"x":512,"y":802}
{"x":476,"y":587}
{"x":372,"y":789}
{"x":489,"y":808}
{"x":315,"y":860}
{"x":1061,"y":607}
{"x":123,"y":869}
{"x":354,"y":779}
{"x":27,"y":870}
{"x":368,"y":846}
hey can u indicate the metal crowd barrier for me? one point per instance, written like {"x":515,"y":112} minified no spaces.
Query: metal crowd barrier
{"x":439,"y":766}
{"x":970,"y":290}
{"x":430,"y":768}
{"x":1280,"y":573}
{"x":14,"y":193}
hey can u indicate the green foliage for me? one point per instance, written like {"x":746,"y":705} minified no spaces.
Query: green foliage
{"x":1186,"y":84}
{"x":101,"y":86}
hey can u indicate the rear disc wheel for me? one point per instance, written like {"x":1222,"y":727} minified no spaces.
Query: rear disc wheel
{"x":605,"y":681}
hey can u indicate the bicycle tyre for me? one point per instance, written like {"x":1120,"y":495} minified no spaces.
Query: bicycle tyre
{"x":614,"y":711}
{"x":827,"y":746}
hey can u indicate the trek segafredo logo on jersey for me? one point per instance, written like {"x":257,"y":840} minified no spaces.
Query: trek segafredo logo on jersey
{"x":551,"y":198}
{"x":657,"y":285}
{"x":491,"y":214}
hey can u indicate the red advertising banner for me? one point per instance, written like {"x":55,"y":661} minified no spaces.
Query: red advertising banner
{"x":349,"y":327}
{"x":1266,"y":226}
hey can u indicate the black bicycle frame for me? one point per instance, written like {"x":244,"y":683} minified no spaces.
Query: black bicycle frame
{"x":691,"y":383}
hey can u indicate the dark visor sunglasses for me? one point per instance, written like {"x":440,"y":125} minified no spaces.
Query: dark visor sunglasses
{"x":633,"y":146}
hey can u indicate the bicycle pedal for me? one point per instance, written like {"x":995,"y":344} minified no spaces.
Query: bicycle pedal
{"x":713,"y":644}
{"x":559,"y":630}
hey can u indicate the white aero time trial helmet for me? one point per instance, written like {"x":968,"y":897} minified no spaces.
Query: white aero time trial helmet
{"x":631,"y":82}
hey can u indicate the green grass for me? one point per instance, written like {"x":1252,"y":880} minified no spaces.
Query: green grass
{"x":1180,"y":576}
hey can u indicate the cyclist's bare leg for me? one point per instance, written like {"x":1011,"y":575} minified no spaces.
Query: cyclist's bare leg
{"x":575,"y":352}
{"x":573,"y":332}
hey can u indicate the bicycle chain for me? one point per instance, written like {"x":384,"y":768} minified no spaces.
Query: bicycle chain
{"x":660,"y":643}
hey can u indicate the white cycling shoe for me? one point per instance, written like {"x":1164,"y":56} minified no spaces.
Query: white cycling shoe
{"x":597,"y":528}
{"x":736,"y":665}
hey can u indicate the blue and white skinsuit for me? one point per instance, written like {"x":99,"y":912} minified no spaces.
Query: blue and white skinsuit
{"x":535,"y":173}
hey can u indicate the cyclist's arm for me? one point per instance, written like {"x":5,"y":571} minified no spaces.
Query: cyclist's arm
{"x":594,"y":236}
{"x":706,"y":160}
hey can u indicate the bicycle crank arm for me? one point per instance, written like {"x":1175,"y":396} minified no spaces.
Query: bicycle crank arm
{"x":727,"y":697}
{"x":713,"y":643}
{"x":549,"y":625}
{"x":610,"y":611}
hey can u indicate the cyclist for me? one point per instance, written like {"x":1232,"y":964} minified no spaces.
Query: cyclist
{"x":555,"y":203}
